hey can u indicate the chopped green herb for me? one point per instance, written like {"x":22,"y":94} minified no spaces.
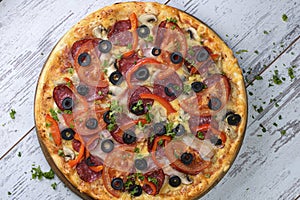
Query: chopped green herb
{"x":129,"y":46}
{"x":160,"y":142}
{"x":275,"y":124}
{"x":54,"y":185}
{"x":256,"y":52}
{"x":105,"y":63}
{"x":115,"y":107}
{"x":187,"y":89}
{"x":280,"y":117}
{"x":54,"y":114}
{"x":134,"y":191}
{"x":119,"y":56}
{"x":149,"y":117}
{"x":266,"y":32}
{"x":12,"y":113}
{"x":284,"y":17}
{"x":260,"y":109}
{"x":241,"y":51}
{"x":173,"y":27}
{"x":68,"y":112}
{"x":36,"y":172}
{"x":207,"y":175}
{"x":111,"y":127}
{"x":276,"y":78}
{"x":19,"y":154}
{"x":140,"y":125}
{"x":200,"y":135}
{"x":151,"y":138}
{"x":276,"y":105}
{"x":60,"y":152}
{"x":191,"y":52}
{"x":136,"y":150}
{"x":250,"y":93}
{"x":259,"y":135}
{"x":140,"y":176}
{"x":171,"y":19}
{"x":48,"y":124}
{"x":258,"y":77}
{"x":153,"y":180}
{"x":149,"y":38}
{"x":71,"y":70}
{"x":128,"y":183}
{"x":263,"y":129}
{"x":291,"y":73}
{"x":9,"y":193}
{"x":283,"y":132}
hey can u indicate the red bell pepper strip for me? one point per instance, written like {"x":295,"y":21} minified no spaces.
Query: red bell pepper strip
{"x":74,"y":162}
{"x":152,"y":186}
{"x":160,"y":100}
{"x":96,"y":168}
{"x":139,"y":64}
{"x":55,"y":132}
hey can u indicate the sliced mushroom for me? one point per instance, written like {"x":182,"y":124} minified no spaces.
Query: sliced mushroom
{"x":68,"y":154}
{"x":147,"y":18}
{"x":193,"y":33}
{"x":100,"y":32}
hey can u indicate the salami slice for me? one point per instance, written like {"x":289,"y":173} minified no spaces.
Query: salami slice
{"x":61,"y":92}
{"x":85,"y":173}
{"x":158,"y":177}
{"x":119,"y":33}
{"x":135,"y":97}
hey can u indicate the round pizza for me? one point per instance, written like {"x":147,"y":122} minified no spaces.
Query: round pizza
{"x":140,"y":101}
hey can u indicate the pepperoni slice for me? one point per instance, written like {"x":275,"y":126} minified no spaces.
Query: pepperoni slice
{"x":60,"y":92}
{"x":119,"y":33}
{"x":135,"y":97}
{"x":126,"y":63}
{"x":169,"y":87}
{"x":158,"y":178}
{"x":85,"y":173}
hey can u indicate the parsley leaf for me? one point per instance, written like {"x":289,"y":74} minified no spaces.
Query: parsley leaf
{"x":291,"y":73}
{"x":241,"y":51}
{"x":54,"y":185}
{"x":284,"y":17}
{"x":54,"y":114}
{"x":153,"y":180}
{"x":12,"y":113}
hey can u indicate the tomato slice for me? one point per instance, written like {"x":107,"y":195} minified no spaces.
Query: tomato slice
{"x":118,"y":163}
{"x":92,"y":74}
{"x":218,"y":86}
{"x":55,"y":132}
{"x":173,"y":152}
{"x":166,"y":140}
{"x":174,"y":40}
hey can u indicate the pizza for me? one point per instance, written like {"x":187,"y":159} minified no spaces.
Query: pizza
{"x":140,"y":101}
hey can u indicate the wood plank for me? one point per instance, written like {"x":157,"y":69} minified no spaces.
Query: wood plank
{"x":267,"y":165}
{"x":28,"y":34}
{"x":242,"y":24}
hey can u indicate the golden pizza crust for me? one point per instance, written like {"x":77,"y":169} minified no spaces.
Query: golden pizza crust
{"x":55,"y":69}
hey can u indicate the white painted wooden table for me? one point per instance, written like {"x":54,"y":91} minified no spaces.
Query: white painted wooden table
{"x":268,"y":165}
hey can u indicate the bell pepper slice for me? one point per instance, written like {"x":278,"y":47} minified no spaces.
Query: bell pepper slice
{"x":96,"y":168}
{"x":152,"y":186}
{"x":139,"y":64}
{"x":161,"y":101}
{"x":74,"y":162}
{"x":55,"y":132}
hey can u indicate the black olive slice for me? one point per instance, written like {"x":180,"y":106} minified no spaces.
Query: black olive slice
{"x":202,"y":55}
{"x":214,"y":103}
{"x":135,"y":190}
{"x":234,"y":119}
{"x":159,"y":129}
{"x":174,"y":181}
{"x":129,"y":137}
{"x":89,"y":162}
{"x":83,"y":90}
{"x":137,"y":109}
{"x":197,"y":86}
{"x":140,"y":164}
{"x":91,"y":123}
{"x":116,"y":78}
{"x":84,"y":59}
{"x":179,"y":130}
{"x":186,"y":158}
{"x":156,"y":51}
{"x":143,"y":31}
{"x":67,"y":103}
{"x":215,"y":140}
{"x":176,"y":57}
{"x":107,"y":145}
{"x":117,"y":184}
{"x":107,"y":117}
{"x":171,"y":89}
{"x":104,"y":46}
{"x":67,"y":134}
{"x":142,"y":74}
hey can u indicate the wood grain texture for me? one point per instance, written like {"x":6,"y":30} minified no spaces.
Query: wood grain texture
{"x":268,"y":164}
{"x":242,"y":25}
{"x":28,"y":31}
